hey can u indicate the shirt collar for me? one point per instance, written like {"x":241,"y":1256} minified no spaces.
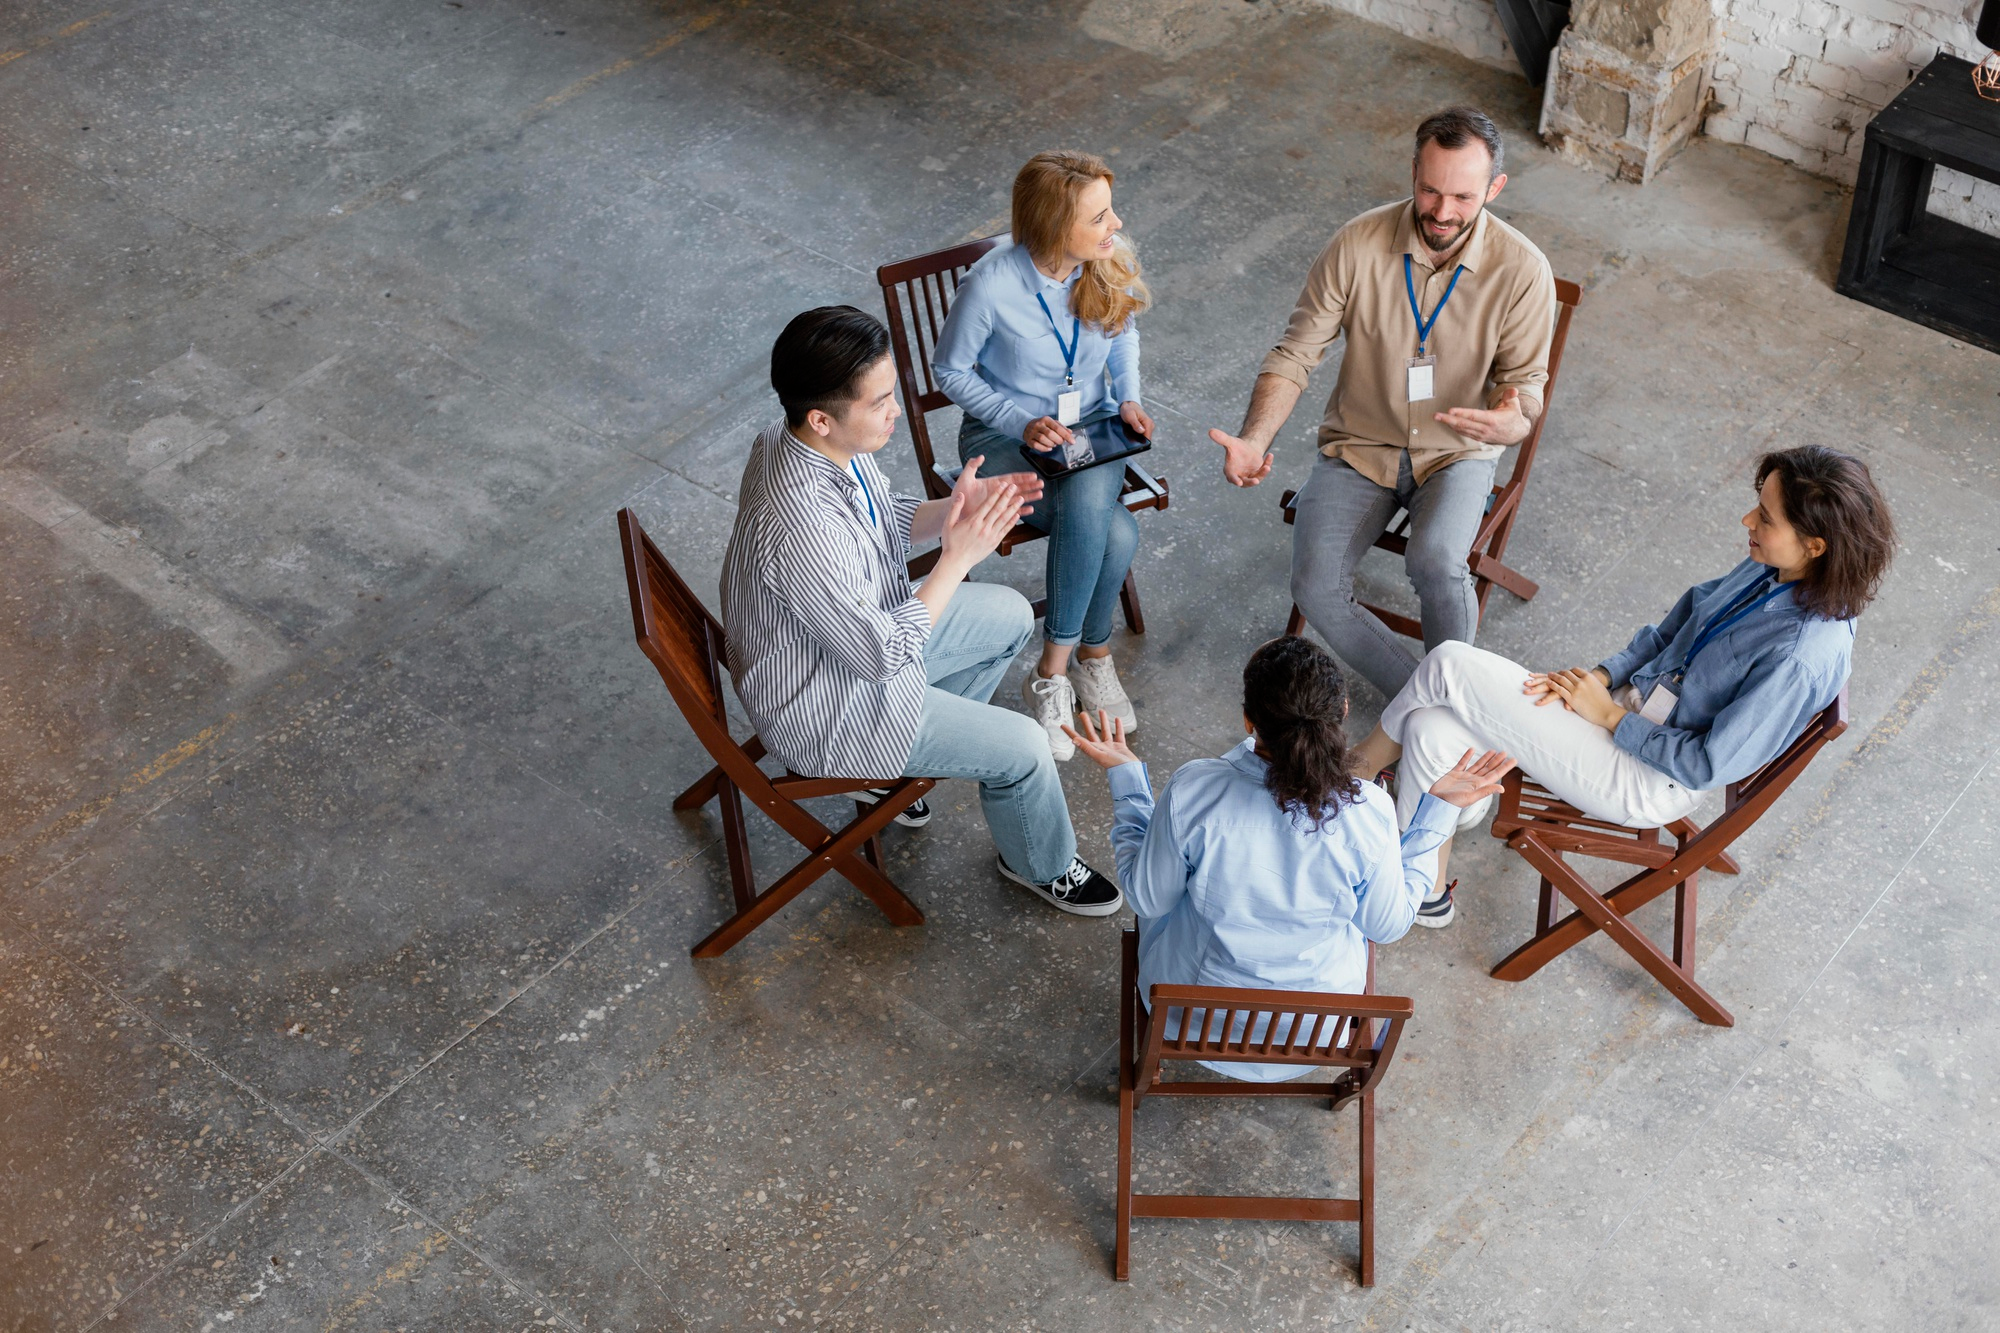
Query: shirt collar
{"x":1245,"y":759}
{"x":1038,"y":281}
{"x":1470,"y":254}
{"x":811,"y":457}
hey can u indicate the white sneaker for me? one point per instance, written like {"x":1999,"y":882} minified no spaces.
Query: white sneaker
{"x":1098,"y":688}
{"x":1052,"y":702}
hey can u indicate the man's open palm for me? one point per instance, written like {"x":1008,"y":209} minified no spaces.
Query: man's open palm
{"x":1243,"y":462}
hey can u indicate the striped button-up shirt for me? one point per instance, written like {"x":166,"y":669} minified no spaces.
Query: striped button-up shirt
{"x":826,"y":642}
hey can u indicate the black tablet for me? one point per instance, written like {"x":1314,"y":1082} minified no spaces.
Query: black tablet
{"x":1105,"y":441}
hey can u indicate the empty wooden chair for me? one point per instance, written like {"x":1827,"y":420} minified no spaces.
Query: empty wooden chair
{"x":1489,"y":545}
{"x":1233,"y":1025}
{"x":686,"y":644}
{"x":917,"y":294}
{"x":1544,"y":830}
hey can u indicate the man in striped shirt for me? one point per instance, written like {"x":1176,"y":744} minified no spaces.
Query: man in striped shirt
{"x":844,"y":668}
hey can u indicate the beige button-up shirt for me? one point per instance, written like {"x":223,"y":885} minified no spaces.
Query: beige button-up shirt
{"x":1493,"y":334}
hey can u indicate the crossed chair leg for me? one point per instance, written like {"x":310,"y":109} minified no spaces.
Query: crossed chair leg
{"x":1608,"y":912}
{"x":829,"y":849}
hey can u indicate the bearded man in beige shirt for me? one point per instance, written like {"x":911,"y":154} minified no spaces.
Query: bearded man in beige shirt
{"x":1448,"y":313}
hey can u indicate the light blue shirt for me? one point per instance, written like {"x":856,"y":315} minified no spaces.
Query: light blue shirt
{"x":999,"y":358}
{"x":1231,"y":890}
{"x":1750,"y":692}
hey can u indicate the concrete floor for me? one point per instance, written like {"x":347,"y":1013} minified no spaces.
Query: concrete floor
{"x":344,"y":926}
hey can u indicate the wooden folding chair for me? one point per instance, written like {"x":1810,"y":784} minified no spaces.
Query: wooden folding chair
{"x":1489,"y":544}
{"x":686,"y":644}
{"x":1222,"y":1024}
{"x":1544,"y":829}
{"x":918,"y":294}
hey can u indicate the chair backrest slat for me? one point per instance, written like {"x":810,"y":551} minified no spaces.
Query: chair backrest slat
{"x":1276,"y":1027}
{"x":1568,"y":297}
{"x":683,"y":640}
{"x":917,"y":299}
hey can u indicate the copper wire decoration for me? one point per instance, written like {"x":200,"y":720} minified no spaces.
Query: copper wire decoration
{"x":1986,"y":77}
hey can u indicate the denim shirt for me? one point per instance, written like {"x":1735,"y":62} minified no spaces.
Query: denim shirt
{"x":998,"y":356}
{"x":1750,"y":692}
{"x":1231,"y":890}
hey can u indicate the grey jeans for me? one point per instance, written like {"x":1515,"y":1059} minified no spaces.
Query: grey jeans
{"x":1339,"y":515}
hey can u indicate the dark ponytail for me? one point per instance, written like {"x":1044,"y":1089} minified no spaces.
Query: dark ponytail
{"x":1295,"y":697}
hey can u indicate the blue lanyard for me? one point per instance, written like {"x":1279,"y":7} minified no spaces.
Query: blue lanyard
{"x":1075,"y":337}
{"x":1744,"y":606}
{"x":1424,"y":326}
{"x":856,"y":467}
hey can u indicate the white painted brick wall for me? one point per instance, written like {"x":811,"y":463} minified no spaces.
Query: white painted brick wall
{"x":1798,"y":79}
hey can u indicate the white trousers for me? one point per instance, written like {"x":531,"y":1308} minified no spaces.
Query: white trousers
{"x":1464,"y":698}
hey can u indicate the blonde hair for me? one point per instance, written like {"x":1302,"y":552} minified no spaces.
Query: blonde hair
{"x":1109,"y":291}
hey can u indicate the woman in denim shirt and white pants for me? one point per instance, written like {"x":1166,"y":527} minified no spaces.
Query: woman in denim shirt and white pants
{"x":1037,"y":327}
{"x":1708,"y":696}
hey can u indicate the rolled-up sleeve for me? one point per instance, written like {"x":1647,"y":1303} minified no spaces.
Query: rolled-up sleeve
{"x":1316,"y":320}
{"x":1773,"y":706}
{"x":1152,"y":866}
{"x":819,"y":588}
{"x":955,"y":362}
{"x":1521,"y":354}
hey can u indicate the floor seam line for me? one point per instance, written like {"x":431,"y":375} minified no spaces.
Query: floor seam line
{"x":1793,"y":1009}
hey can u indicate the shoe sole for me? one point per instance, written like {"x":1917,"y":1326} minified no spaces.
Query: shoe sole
{"x":1111,"y":908}
{"x":1440,"y":921}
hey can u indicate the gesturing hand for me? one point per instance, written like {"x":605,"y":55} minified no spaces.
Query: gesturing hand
{"x":1505,"y":423}
{"x":1103,"y":741}
{"x":1584,"y":693}
{"x":973,"y":527}
{"x":1244,"y":463}
{"x":1027,"y":486}
{"x":1471,"y":780}
{"x":1045,"y":433}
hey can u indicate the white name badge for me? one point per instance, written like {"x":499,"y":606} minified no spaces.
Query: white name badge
{"x":1659,"y":705}
{"x":1420,"y":374}
{"x":1069,"y":407}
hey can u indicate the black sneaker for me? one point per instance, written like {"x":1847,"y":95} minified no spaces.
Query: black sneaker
{"x":914,"y":815}
{"x":1436,"y":911}
{"x":1079,"y":890}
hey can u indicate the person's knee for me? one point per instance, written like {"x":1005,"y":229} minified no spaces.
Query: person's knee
{"x":1025,"y":749}
{"x":1017,"y":616}
{"x":1122,"y":541}
{"x":1437,"y":569}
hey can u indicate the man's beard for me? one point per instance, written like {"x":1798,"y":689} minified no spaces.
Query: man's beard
{"x":1425,"y":222}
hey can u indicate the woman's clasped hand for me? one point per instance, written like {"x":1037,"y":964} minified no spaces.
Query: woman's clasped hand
{"x":1585,"y":693}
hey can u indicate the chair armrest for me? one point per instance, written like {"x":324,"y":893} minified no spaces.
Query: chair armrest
{"x":1142,"y":489}
{"x":948,"y":475}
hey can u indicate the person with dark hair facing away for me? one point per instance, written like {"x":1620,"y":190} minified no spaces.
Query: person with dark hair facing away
{"x":1704,"y":698}
{"x":844,"y":668}
{"x":1272,"y":866}
{"x":1042,"y":337}
{"x":1448,"y":313}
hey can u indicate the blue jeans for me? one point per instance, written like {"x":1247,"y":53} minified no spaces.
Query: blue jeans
{"x":1340,"y":513}
{"x":1091,"y":536}
{"x":984,"y":628}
